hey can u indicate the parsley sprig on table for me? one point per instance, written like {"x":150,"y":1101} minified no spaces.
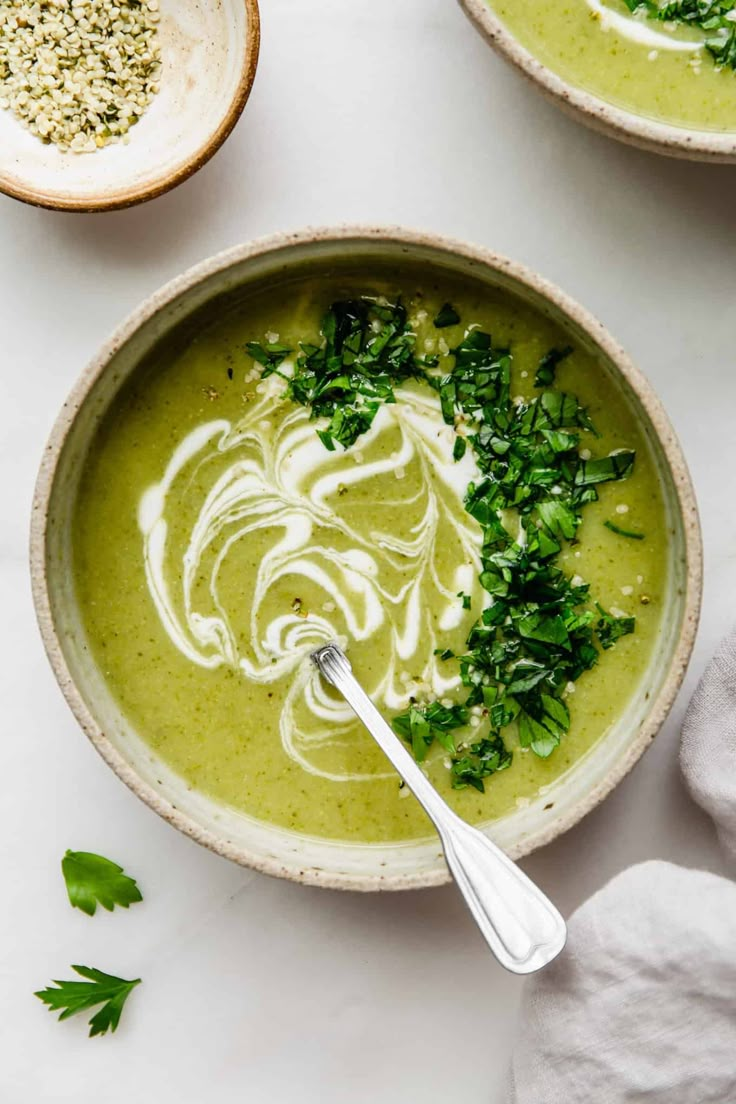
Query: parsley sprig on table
{"x":710,"y":16}
{"x":78,"y":996}
{"x":540,"y":632}
{"x":92,"y":880}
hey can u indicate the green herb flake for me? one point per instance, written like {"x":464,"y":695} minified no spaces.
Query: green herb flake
{"x":547,"y":370}
{"x":459,"y":448}
{"x":447,"y":316}
{"x":421,"y":727}
{"x":271,"y":356}
{"x":607,"y":468}
{"x":481,"y":760}
{"x":610,"y":629}
{"x":623,"y":532}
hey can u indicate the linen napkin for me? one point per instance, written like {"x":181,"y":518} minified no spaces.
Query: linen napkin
{"x":708,"y":752}
{"x":641,"y":1005}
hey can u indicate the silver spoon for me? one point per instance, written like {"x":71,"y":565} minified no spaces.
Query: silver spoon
{"x":520,"y":925}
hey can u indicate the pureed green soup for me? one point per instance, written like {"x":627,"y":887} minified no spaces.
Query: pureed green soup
{"x":221,"y":533}
{"x":671,"y":60}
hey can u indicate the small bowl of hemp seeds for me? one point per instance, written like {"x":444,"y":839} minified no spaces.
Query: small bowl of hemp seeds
{"x":108,"y":103}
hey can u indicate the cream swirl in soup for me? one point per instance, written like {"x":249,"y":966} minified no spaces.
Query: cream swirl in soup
{"x":269,"y":473}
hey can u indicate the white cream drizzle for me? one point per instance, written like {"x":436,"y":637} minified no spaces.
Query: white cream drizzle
{"x":639,"y":31}
{"x":280,"y":482}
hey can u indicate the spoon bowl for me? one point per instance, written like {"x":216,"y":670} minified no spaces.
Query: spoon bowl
{"x":521,"y":926}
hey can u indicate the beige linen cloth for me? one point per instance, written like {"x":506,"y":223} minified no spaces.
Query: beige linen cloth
{"x":641,"y":1005}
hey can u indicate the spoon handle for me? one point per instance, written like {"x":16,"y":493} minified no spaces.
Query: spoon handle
{"x":521,"y":926}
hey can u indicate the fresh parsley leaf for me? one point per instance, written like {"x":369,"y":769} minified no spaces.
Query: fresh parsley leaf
{"x":543,"y":725}
{"x":447,"y":316}
{"x":550,"y":630}
{"x":610,"y":628}
{"x":92,"y":880}
{"x":559,"y":517}
{"x":547,"y":369}
{"x":482,"y":759}
{"x":623,"y":532}
{"x":347,"y":425}
{"x":420,"y":727}
{"x":448,"y":397}
{"x":616,"y":466}
{"x":415,"y":729}
{"x":79,"y":996}
{"x":560,"y":411}
{"x":271,"y":356}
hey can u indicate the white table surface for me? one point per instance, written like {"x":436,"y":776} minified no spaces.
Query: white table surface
{"x":381,"y":111}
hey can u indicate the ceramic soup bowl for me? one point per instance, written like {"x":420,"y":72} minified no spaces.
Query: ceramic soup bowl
{"x":242,"y":838}
{"x":634,"y":127}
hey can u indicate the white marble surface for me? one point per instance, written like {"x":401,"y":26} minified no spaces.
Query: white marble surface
{"x":364,"y":110}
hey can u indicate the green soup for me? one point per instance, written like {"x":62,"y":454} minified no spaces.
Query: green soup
{"x":661,"y":70}
{"x":217,"y":541}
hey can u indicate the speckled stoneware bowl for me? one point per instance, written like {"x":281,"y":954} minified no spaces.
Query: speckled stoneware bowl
{"x":209,"y":52}
{"x":270,"y":849}
{"x":636,"y":130}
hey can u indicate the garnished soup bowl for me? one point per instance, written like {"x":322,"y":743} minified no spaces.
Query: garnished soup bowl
{"x":605,"y":116}
{"x":244,"y":839}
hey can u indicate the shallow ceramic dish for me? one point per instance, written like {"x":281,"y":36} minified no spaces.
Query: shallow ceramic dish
{"x":235,"y":835}
{"x":210,"y":53}
{"x":627,"y":126}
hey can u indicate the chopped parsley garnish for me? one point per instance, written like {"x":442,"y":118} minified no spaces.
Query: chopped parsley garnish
{"x":623,"y":532}
{"x":420,"y":727}
{"x":713,"y":17}
{"x":79,"y":996}
{"x":353,"y":370}
{"x":547,"y":370}
{"x":271,"y":356}
{"x":92,"y":880}
{"x":610,"y":628}
{"x":481,"y":760}
{"x":540,"y":632}
{"x":447,"y":316}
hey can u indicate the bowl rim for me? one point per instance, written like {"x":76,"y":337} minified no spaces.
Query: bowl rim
{"x":131,"y":196}
{"x":475,"y":255}
{"x":636,"y":130}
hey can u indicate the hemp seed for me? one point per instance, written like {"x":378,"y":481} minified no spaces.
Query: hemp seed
{"x":79,"y":73}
